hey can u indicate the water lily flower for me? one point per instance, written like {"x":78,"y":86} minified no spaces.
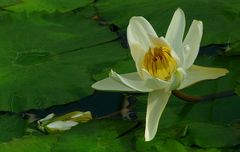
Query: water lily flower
{"x":52,"y":123}
{"x":163,"y":64}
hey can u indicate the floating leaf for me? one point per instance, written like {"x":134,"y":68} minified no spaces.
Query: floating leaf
{"x":233,"y":49}
{"x":238,"y":90}
{"x":11,"y":126}
{"x":211,"y":135}
{"x":29,"y":144}
{"x":49,"y":59}
{"x":49,"y":5}
{"x":220,"y":18}
{"x":99,"y":136}
{"x":160,"y":146}
{"x":7,"y":3}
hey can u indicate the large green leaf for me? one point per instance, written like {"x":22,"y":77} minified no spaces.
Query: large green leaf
{"x":166,"y":141}
{"x":11,"y":127}
{"x":233,"y":49}
{"x":238,"y":89}
{"x":49,"y":59}
{"x":95,"y":136}
{"x":220,"y":18}
{"x":48,"y":5}
{"x":211,"y":135}
{"x":161,"y":146}
{"x":7,"y":3}
{"x":29,"y":144}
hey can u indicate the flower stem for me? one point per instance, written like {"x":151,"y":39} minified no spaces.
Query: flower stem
{"x":209,"y":97}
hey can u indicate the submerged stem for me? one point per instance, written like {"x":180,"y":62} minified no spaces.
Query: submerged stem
{"x":209,"y":97}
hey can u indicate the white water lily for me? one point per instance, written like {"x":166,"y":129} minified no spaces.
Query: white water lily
{"x":163,"y":64}
{"x":52,"y":123}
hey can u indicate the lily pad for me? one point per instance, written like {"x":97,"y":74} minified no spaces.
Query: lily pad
{"x":215,"y":15}
{"x":48,"y":59}
{"x":11,"y":126}
{"x":238,"y":90}
{"x":211,"y":135}
{"x":28,"y":144}
{"x":233,"y":49}
{"x":48,"y":5}
{"x":7,"y":3}
{"x":101,"y":134}
{"x":161,"y":146}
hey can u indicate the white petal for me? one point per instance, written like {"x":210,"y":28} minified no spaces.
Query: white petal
{"x":177,"y":78}
{"x":48,"y":117}
{"x":146,"y":75}
{"x":175,"y":32}
{"x":154,"y":83}
{"x":138,"y":55}
{"x":157,"y":84}
{"x":157,"y":101}
{"x":138,"y":31}
{"x":62,"y":125}
{"x":109,"y":84}
{"x":132,"y":80}
{"x":77,"y":115}
{"x":198,"y":73}
{"x":192,"y":43}
{"x":158,"y":41}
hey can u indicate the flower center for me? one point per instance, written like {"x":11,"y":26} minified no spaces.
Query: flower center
{"x":159,"y":62}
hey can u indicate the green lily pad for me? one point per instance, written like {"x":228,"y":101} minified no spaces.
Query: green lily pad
{"x":125,"y":66}
{"x":95,"y":136}
{"x":29,"y":143}
{"x":220,"y":18}
{"x":7,"y":3}
{"x":101,"y":134}
{"x":238,"y":90}
{"x":211,"y":135}
{"x":11,"y":126}
{"x":48,"y":5}
{"x":161,"y":146}
{"x":234,"y":49}
{"x":48,"y":59}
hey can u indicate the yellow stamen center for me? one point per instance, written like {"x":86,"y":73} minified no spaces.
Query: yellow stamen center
{"x":159,"y":62}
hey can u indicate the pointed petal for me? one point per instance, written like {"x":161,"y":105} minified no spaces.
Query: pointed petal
{"x":175,"y":32}
{"x":158,"y":41}
{"x":157,"y":101}
{"x":109,"y":84}
{"x":198,"y":73}
{"x":138,"y":31}
{"x":62,"y":125}
{"x":132,"y":80}
{"x":177,"y":78}
{"x":157,"y":84}
{"x":138,"y":55}
{"x":192,"y":43}
{"x":154,"y":83}
{"x":48,"y":117}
